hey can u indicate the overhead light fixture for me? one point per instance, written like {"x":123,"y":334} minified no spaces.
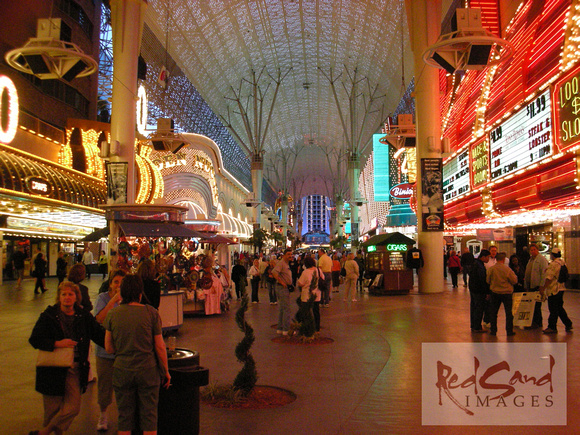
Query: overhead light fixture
{"x":49,"y":57}
{"x":401,"y":135}
{"x":468,"y":46}
{"x":165,"y":138}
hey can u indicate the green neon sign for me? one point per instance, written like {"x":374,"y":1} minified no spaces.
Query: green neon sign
{"x":396,"y":247}
{"x":371,"y":248}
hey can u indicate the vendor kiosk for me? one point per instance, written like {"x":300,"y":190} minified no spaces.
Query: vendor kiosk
{"x":386,"y":256}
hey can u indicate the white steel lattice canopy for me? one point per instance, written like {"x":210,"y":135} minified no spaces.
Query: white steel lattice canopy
{"x":218,"y":44}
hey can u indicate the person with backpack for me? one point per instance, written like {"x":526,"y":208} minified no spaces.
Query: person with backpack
{"x":554,"y":286}
{"x":309,"y":284}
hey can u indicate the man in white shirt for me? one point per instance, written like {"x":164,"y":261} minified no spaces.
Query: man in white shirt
{"x":492,"y":254}
{"x":87,"y":260}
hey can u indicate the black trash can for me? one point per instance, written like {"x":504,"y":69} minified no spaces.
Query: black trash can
{"x":179,"y":404}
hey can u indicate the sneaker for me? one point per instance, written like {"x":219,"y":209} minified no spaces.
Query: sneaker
{"x":569,"y":328}
{"x":509,"y":334}
{"x":103,"y":423}
{"x":549,"y":331}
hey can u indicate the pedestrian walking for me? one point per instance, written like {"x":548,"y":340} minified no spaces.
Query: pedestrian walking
{"x":553,"y":288}
{"x":501,"y":280}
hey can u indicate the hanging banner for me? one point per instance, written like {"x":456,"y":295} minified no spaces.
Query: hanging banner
{"x":117,"y":182}
{"x":432,"y":194}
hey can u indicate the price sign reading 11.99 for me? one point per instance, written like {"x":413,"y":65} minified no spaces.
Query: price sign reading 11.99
{"x":524,"y":139}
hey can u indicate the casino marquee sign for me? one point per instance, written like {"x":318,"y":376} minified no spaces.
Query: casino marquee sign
{"x":402,"y":191}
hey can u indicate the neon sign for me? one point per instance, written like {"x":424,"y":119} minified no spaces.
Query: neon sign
{"x":8,"y":126}
{"x":567,"y":103}
{"x":396,"y":247}
{"x":372,"y":248}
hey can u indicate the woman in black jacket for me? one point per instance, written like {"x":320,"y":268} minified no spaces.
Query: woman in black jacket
{"x":65,"y":324}
{"x":40,"y":273}
{"x":151,"y":288}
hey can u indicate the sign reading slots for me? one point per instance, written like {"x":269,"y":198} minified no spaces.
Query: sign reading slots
{"x":522,"y":140}
{"x":567,"y":110}
{"x":456,"y":176}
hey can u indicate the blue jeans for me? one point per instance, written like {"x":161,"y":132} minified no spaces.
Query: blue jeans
{"x":283,"y":307}
{"x":326,"y":294}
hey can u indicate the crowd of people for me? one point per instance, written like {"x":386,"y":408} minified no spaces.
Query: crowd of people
{"x":280,"y":273}
{"x":493,"y":280}
{"x":126,"y":327}
{"x":130,"y":354}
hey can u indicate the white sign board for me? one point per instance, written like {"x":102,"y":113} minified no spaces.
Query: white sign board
{"x":524,"y":139}
{"x":456,"y":176}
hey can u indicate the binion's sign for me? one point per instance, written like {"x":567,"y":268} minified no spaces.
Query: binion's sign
{"x":402,"y":191}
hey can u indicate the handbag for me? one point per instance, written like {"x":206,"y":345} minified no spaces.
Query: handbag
{"x":59,"y":357}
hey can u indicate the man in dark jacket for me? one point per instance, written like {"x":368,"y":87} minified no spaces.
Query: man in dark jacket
{"x":479,"y":291}
{"x":467,"y":260}
{"x":239,"y":276}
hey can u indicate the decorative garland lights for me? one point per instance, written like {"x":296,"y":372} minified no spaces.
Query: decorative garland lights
{"x":517,"y":218}
{"x":571,"y":53}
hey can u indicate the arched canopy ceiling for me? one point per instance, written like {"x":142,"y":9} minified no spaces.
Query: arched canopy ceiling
{"x":220,"y":44}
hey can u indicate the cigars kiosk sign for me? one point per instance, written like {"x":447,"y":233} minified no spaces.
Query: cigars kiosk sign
{"x":494,"y":384}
